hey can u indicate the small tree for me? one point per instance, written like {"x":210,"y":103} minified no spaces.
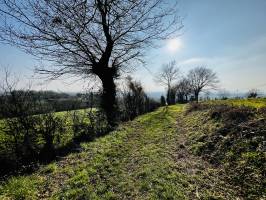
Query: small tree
{"x":167,"y":76}
{"x":134,"y":100}
{"x":201,"y":78}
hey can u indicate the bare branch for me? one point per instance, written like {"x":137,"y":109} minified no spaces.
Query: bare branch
{"x":87,"y":33}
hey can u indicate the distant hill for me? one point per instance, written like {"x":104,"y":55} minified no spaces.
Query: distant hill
{"x":155,"y":95}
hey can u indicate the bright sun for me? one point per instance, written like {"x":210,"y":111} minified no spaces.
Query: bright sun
{"x":174,"y":45}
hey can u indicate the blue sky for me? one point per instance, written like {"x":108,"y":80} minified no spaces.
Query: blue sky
{"x":228,"y":36}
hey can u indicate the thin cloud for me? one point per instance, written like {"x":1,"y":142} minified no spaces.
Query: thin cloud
{"x":196,"y":60}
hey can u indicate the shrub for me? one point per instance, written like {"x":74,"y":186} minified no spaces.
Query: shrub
{"x":134,"y":101}
{"x":79,"y":125}
{"x":231,"y":114}
{"x":252,"y":93}
{"x":217,"y":111}
{"x":262,"y":111}
{"x":194,"y":106}
{"x":98,"y":123}
{"x":49,"y":126}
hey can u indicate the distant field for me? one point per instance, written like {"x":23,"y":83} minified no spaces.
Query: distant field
{"x":65,"y":137}
{"x":62,"y":114}
{"x":255,"y":103}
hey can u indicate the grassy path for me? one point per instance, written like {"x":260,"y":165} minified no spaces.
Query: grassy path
{"x":143,"y":159}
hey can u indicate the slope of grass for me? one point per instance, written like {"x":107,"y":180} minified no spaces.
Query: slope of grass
{"x":143,"y":159}
{"x":232,"y":138}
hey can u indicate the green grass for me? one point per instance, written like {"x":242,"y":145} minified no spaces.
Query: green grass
{"x":252,"y":102}
{"x":22,"y":187}
{"x":153,"y":157}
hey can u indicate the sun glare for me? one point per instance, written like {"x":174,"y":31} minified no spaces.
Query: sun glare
{"x":174,"y":45}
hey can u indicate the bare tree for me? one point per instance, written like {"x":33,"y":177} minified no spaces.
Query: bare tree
{"x":201,"y":78}
{"x":88,"y":37}
{"x":166,"y":77}
{"x":183,"y":90}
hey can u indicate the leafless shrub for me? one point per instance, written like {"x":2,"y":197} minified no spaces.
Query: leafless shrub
{"x":262,"y":111}
{"x":194,"y":106}
{"x":231,"y":114}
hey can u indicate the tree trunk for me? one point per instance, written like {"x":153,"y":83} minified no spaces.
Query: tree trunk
{"x":108,"y":100}
{"x":168,"y":97}
{"x":197,"y":96}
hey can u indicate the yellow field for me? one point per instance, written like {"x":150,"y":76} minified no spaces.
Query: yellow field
{"x":255,"y":103}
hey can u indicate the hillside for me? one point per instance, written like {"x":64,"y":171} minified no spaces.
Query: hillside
{"x":160,"y":155}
